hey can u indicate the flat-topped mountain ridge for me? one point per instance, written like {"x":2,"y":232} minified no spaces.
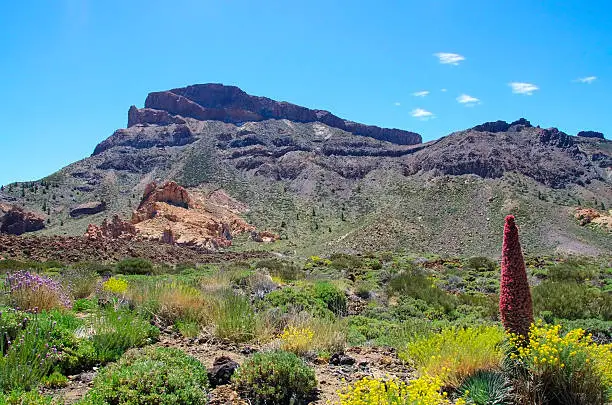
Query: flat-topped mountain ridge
{"x":324,"y":183}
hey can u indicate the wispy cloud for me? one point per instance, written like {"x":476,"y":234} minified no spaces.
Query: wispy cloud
{"x":397,"y":104}
{"x":443,"y":90}
{"x":587,"y":80}
{"x":420,"y":93}
{"x":447,"y":58}
{"x":523,"y":88}
{"x":467,"y":100}
{"x":422,"y":114}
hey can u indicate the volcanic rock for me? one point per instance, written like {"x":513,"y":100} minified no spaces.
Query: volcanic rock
{"x":168,"y":213}
{"x":231,"y":104}
{"x":89,"y":208}
{"x":264,"y":236}
{"x":142,"y":137}
{"x":15,"y":220}
{"x":116,"y":228}
{"x":222,"y":370}
{"x":591,"y":134}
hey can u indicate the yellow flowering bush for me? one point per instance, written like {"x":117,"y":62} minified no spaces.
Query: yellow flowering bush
{"x":296,"y":340}
{"x":115,"y":285}
{"x":426,"y":390}
{"x":571,"y":360}
{"x":454,"y":354}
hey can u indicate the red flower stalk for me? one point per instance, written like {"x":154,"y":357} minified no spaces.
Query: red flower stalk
{"x":515,"y":306}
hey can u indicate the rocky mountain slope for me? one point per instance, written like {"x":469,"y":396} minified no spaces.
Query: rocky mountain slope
{"x":327,"y":184}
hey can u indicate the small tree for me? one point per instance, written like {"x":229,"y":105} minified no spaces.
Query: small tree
{"x":515,"y":305}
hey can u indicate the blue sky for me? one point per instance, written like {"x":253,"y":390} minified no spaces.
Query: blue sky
{"x":70,"y":69}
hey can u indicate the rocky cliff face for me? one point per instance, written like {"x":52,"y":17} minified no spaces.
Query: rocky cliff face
{"x":230,"y":104}
{"x":15,"y":220}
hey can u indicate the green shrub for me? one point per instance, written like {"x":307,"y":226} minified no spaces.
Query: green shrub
{"x":486,"y":388}
{"x":369,"y":331}
{"x":163,"y":376}
{"x":275,"y":378}
{"x":295,"y":300}
{"x":334,"y":299}
{"x":418,"y":285}
{"x":188,"y":329}
{"x":480,"y":263}
{"x":26,"y":360}
{"x":571,"y":270}
{"x":343,"y":261}
{"x":85,"y":304}
{"x":77,"y":353}
{"x":55,"y":380}
{"x":286,"y":271}
{"x":26,"y":398}
{"x":117,"y":331}
{"x":234,"y":317}
{"x":135,"y":265}
{"x":572,"y":300}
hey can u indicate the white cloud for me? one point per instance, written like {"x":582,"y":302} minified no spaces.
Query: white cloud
{"x":449,"y":58}
{"x":523,"y":88}
{"x":397,"y":104}
{"x":587,"y":80}
{"x":420,"y":93}
{"x":443,"y":90}
{"x":467,"y":100}
{"x":422,"y":114}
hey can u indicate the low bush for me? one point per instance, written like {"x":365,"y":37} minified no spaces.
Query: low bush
{"x":417,"y":285}
{"x":572,"y":300}
{"x":275,"y":378}
{"x":164,"y":376}
{"x":334,"y":299}
{"x":369,"y":331}
{"x":27,"y":398}
{"x":117,"y":331}
{"x":282,"y":269}
{"x":55,"y":380}
{"x":33,"y":292}
{"x":234,"y":318}
{"x":295,"y":300}
{"x":81,"y":282}
{"x":134,"y":265}
{"x":27,"y":359}
{"x":454,"y":354}
{"x":567,"y":369}
{"x":296,"y":340}
{"x":426,"y":390}
{"x":572,"y":270}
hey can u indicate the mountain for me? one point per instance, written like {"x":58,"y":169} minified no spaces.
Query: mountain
{"x":327,"y":184}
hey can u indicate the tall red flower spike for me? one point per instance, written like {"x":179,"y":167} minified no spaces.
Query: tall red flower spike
{"x":515,"y":306}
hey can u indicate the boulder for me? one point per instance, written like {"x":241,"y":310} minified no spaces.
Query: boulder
{"x":341,"y":359}
{"x":89,"y":208}
{"x":222,"y":370}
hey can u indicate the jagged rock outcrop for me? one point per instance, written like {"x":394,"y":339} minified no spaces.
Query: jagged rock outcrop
{"x":591,"y":134}
{"x":150,"y":116}
{"x":142,"y":137}
{"x":169,"y":213}
{"x":264,"y":236}
{"x":231,"y":104}
{"x":502,"y":126}
{"x":15,"y":220}
{"x":170,"y":193}
{"x":89,"y":208}
{"x":554,"y":137}
{"x":587,"y":216}
{"x":115,"y":228}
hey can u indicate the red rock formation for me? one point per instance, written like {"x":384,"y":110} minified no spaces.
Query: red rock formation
{"x":15,"y":220}
{"x":116,"y":228}
{"x":170,"y":193}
